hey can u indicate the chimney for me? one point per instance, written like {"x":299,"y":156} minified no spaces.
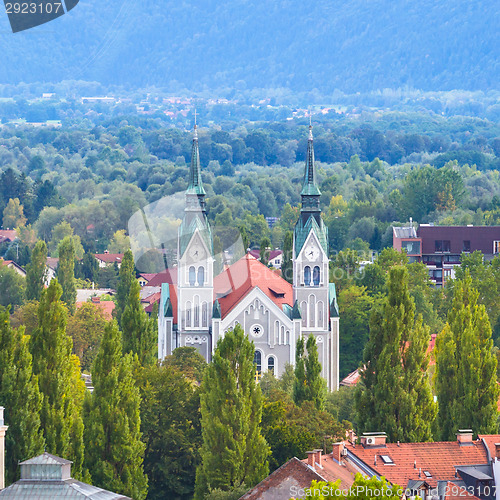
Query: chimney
{"x":3,"y":429}
{"x":351,"y":436}
{"x":338,"y":449}
{"x":317,"y":456}
{"x":464,"y":436}
{"x":311,"y":455}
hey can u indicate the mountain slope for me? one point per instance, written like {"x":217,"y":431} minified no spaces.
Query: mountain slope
{"x":358,"y":45}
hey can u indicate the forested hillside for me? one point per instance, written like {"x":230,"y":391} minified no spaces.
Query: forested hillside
{"x":324,"y":45}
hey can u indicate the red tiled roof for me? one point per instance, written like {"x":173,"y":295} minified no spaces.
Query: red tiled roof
{"x":278,"y":484}
{"x":8,"y":235}
{"x":106,"y":306}
{"x":455,"y":492}
{"x":438,"y":458}
{"x":148,"y":276}
{"x":351,"y":379}
{"x":246,"y":274}
{"x":109,"y":258}
{"x":490,"y":440}
{"x":332,"y":471}
{"x":151,"y":299}
{"x":167,"y":276}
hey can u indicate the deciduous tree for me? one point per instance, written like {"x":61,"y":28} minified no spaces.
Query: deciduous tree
{"x":36,"y":271}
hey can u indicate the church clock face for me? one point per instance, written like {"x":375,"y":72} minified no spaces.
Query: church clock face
{"x":311,"y":252}
{"x":197,"y":252}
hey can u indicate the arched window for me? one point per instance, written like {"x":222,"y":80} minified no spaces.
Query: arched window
{"x":303,"y":310}
{"x":192,"y":276}
{"x":188,"y":314}
{"x":307,"y":275}
{"x":312,"y":315}
{"x":270,"y":364}
{"x":282,"y":336}
{"x":257,"y":359}
{"x":201,"y":276}
{"x":316,"y":274}
{"x":196,"y":312}
{"x":320,"y":314}
{"x":204,"y":315}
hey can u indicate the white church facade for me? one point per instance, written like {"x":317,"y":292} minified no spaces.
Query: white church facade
{"x":197,"y":307}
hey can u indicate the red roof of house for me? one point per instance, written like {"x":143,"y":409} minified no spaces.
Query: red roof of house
{"x":278,"y":484}
{"x":109,"y":258}
{"x":490,"y":440}
{"x":106,"y":306}
{"x":410,"y":459}
{"x":8,"y":235}
{"x":151,"y":299}
{"x":351,"y":379}
{"x":148,"y":276}
{"x":52,"y":262}
{"x":241,"y":277}
{"x":455,"y":492}
{"x":332,"y":471}
{"x":167,"y":276}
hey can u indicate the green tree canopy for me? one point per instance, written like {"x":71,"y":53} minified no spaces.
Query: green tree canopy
{"x":233,"y":450}
{"x":395,"y":394}
{"x":115,"y":452}
{"x":59,"y":379}
{"x":36,"y":271}
{"x":20,"y":396}
{"x":465,"y":380}
{"x":66,"y":272}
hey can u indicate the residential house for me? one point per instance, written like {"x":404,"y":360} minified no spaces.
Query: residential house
{"x":13,"y":265}
{"x":274,"y":257}
{"x":108,"y":259}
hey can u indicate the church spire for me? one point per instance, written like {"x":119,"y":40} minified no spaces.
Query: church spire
{"x":310,"y":188}
{"x":195,"y":185}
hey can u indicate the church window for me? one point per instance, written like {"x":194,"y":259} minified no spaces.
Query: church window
{"x":312,"y":307}
{"x":316,"y":275}
{"x":196,"y":312}
{"x":201,"y":276}
{"x":320,"y":314}
{"x":257,"y":359}
{"x":188,"y":314}
{"x":307,"y":275}
{"x":204,"y":315}
{"x":282,"y":336}
{"x":270,"y":364}
{"x":303,"y":309}
{"x":192,"y":276}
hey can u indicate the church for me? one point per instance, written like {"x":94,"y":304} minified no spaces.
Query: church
{"x":199,"y":305}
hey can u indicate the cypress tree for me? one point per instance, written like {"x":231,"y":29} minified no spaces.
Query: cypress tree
{"x":395,"y":394}
{"x":35,"y":271}
{"x":114,"y":453}
{"x":286,"y":261}
{"x":233,"y":451}
{"x":139,"y":333}
{"x":316,"y":385}
{"x":126,"y":278}
{"x":66,"y":272}
{"x":308,"y":384}
{"x":20,"y":396}
{"x":59,"y":380}
{"x":300,"y":382}
{"x":466,"y":367}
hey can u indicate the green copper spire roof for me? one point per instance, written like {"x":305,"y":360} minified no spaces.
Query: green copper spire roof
{"x":310,"y":187}
{"x":195,"y":185}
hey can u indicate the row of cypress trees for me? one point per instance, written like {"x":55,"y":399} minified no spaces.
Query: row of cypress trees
{"x":395,"y":394}
{"x":47,"y":406}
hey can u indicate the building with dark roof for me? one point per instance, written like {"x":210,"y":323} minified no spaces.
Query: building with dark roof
{"x":440,"y":247}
